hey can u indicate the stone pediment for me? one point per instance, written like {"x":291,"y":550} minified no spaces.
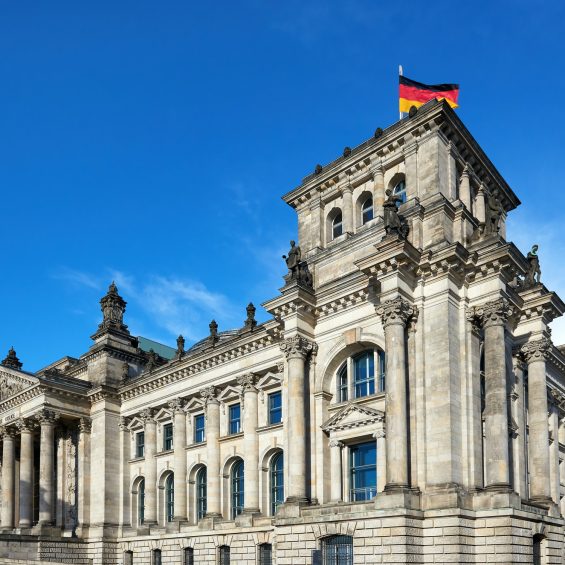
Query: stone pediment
{"x":11,"y":384}
{"x":353,"y":416}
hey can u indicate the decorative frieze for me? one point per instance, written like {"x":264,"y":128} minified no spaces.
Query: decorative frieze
{"x":395,"y":311}
{"x":297,"y":346}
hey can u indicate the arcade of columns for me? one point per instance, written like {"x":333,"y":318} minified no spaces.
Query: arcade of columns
{"x":492,"y":317}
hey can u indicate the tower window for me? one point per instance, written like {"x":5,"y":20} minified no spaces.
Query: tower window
{"x":400,"y":190}
{"x":140,"y":444}
{"x":337,"y":225}
{"x":367,"y":210}
{"x":357,"y":377}
{"x":141,"y":502}
{"x":201,"y":493}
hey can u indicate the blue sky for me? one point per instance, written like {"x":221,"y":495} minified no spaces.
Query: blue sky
{"x":150,"y":142}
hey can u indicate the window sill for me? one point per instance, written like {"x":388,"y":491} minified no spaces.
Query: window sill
{"x":136,"y":459}
{"x":165,"y":452}
{"x":231,"y":436}
{"x":361,"y":400}
{"x":270,"y":427}
{"x":195,"y":445}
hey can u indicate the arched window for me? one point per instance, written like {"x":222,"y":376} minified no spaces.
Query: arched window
{"x":188,"y":556}
{"x":367,"y":210}
{"x":361,"y":375}
{"x":400,"y":190}
{"x":201,"y":493}
{"x":224,"y":555}
{"x":277,"y":482}
{"x":237,"y":491}
{"x":265,"y":554}
{"x":141,"y":502}
{"x":337,"y":550}
{"x":170,"y":498}
{"x":337,"y":225}
{"x":156,"y":557}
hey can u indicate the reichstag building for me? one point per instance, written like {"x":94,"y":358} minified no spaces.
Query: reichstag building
{"x":404,"y":403}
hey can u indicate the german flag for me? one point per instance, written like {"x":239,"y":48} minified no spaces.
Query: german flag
{"x":412,"y":93}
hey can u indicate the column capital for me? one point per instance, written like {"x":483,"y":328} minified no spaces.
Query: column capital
{"x":7,"y":432}
{"x":493,"y":313}
{"x":85,"y":425}
{"x":466,"y":172}
{"x":379,"y":434}
{"x":26,"y":424}
{"x":537,"y":350}
{"x":47,"y":417}
{"x":298,"y":346}
{"x":210,"y":395}
{"x":176,"y":405}
{"x":147,"y":416}
{"x":395,"y":312}
{"x":336,"y":443}
{"x":377,"y":169}
{"x":247,"y":382}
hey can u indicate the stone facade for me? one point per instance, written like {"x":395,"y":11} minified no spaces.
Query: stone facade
{"x":404,"y":403}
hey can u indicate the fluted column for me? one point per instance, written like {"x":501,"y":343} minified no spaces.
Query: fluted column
{"x":536,"y":353}
{"x":394,"y":314}
{"x":348,"y":224}
{"x":378,"y":190}
{"x":465,"y":188}
{"x":179,"y":441}
{"x":494,"y":316}
{"x":26,"y":472}
{"x":212,"y":451}
{"x":250,"y":442}
{"x":296,"y":350}
{"x":8,"y":465}
{"x":150,"y":515}
{"x":46,"y":420}
{"x":335,"y":471}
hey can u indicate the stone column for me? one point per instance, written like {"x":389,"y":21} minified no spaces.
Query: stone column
{"x":536,"y":353}
{"x":554,"y":451}
{"x":250,"y":442}
{"x":296,"y":350}
{"x":480,"y":212}
{"x":378,"y":190}
{"x":179,"y":441}
{"x":46,"y":420}
{"x":465,"y":188}
{"x":562,"y":463}
{"x":348,"y":220}
{"x":520,"y":467}
{"x":150,"y":516}
{"x":212,"y":405}
{"x":394,"y":314}
{"x":83,"y":499}
{"x":494,"y":316}
{"x":380,"y":436}
{"x":335,"y":471}
{"x":26,"y":472}
{"x":8,"y":465}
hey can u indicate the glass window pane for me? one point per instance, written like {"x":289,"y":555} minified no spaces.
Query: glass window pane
{"x":367,"y":210}
{"x":140,"y":444}
{"x":201,"y":493}
{"x":170,"y":497}
{"x":265,"y":554}
{"x":235,"y":419}
{"x":237,"y":489}
{"x":275,"y":408}
{"x":337,"y":226}
{"x":168,"y":436}
{"x":277,"y":482}
{"x":342,"y":384}
{"x":199,"y":428}
{"x":363,"y":471}
{"x":364,"y":374}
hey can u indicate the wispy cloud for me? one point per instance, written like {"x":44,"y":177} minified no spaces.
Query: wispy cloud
{"x":79,"y":278}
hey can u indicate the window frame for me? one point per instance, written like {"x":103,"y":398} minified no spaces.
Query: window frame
{"x":140,"y":444}
{"x":400,"y":192}
{"x":347,"y":384}
{"x":201,"y":493}
{"x":356,"y":469}
{"x":337,"y":226}
{"x":330,"y":550}
{"x":156,"y":557}
{"x":198,"y":430}
{"x":276,"y":409}
{"x":170,"y":498}
{"x":276,"y":482}
{"x":141,"y":502}
{"x":265,"y":554}
{"x":168,"y":436}
{"x":237,"y":490}
{"x":234,"y":424}
{"x":224,"y":555}
{"x":365,"y":210}
{"x":188,"y":556}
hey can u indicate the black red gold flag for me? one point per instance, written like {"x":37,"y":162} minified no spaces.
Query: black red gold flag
{"x":412,"y":93}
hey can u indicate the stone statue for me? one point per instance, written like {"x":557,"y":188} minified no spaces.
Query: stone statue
{"x":533,"y":274}
{"x":180,"y":347}
{"x":12,"y":360}
{"x":394,"y":223}
{"x":493,"y":212}
{"x":151,"y":361}
{"x":213,"y":331}
{"x":297,"y":269}
{"x":250,"y":322}
{"x":125,"y":372}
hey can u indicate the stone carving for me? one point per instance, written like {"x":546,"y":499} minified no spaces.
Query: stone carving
{"x":533,"y":274}
{"x":12,"y":360}
{"x":336,"y":443}
{"x":9,"y":387}
{"x":113,"y":307}
{"x":85,"y":425}
{"x":296,"y":346}
{"x":537,"y":350}
{"x":151,"y":361}
{"x":250,"y":321}
{"x":124,"y":423}
{"x":26,"y":424}
{"x":495,"y":312}
{"x":346,"y":151}
{"x":146,"y":415}
{"x":394,"y":223}
{"x":493,"y":213}
{"x":378,"y":133}
{"x":247,"y":382}
{"x":47,"y":416}
{"x":297,"y":269}
{"x":176,"y":405}
{"x":395,"y":311}
{"x":318,"y":169}
{"x":213,"y":331}
{"x":209,"y":394}
{"x":379,"y":434}
{"x":7,"y":432}
{"x":180,"y":347}
{"x":125,"y":372}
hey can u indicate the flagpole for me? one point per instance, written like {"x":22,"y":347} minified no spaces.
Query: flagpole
{"x":400,"y":73}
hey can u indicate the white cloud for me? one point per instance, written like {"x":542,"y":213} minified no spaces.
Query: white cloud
{"x":78,"y":278}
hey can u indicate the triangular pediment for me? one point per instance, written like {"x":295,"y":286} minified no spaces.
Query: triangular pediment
{"x":194,"y":405}
{"x":135,"y":424}
{"x":229,"y":393}
{"x":14,"y":382}
{"x":270,"y":380}
{"x":163,"y":414}
{"x":353,"y":416}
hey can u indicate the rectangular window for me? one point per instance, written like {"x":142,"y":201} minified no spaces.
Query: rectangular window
{"x":128,"y":558}
{"x":168,"y":436}
{"x":382,"y":371}
{"x":364,"y":374}
{"x":188,"y":556}
{"x":224,"y":555}
{"x":140,"y":444}
{"x":199,"y":428}
{"x":265,"y":554}
{"x":235,"y":419}
{"x":275,"y":408}
{"x":342,"y":384}
{"x":156,"y":557}
{"x":363,"y":471}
